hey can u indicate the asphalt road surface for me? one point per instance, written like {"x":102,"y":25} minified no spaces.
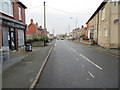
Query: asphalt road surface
{"x":73,"y":66}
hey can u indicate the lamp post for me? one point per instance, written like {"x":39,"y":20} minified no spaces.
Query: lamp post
{"x":75,"y":19}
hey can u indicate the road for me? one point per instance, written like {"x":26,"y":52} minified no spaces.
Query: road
{"x":74,"y":66}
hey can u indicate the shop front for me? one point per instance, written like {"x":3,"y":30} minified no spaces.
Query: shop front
{"x":13,"y":33}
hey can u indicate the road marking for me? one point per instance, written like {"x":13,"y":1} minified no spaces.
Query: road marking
{"x":28,"y":62}
{"x":73,"y":49}
{"x":83,"y":65}
{"x":77,"y":59}
{"x":87,"y":78}
{"x":91,"y":61}
{"x":55,"y":44}
{"x":91,"y":74}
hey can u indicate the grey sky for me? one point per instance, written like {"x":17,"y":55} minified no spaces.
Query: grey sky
{"x":60,"y":11}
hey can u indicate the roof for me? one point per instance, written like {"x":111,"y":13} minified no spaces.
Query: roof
{"x":98,"y":9}
{"x":36,"y":26}
{"x":20,"y":3}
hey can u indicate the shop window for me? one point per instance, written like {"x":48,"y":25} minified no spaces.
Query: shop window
{"x":6,"y":7}
{"x":21,"y":37}
{"x":5,"y":36}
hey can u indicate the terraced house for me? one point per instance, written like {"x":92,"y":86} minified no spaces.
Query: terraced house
{"x":12,"y":24}
{"x":104,"y":24}
{"x":33,"y":30}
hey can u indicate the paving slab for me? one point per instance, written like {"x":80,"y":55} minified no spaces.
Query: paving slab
{"x":22,"y":74}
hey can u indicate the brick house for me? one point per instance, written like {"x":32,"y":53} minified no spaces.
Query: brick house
{"x":33,"y":30}
{"x":12,"y":24}
{"x":105,"y":24}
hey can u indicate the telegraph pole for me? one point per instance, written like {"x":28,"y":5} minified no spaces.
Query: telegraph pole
{"x":53,"y":31}
{"x":45,"y":19}
{"x":69,"y":30}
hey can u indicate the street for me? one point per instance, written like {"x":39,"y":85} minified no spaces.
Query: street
{"x":73,"y":66}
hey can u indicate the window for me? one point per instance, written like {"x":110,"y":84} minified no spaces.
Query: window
{"x":20,"y":13}
{"x":106,"y":32}
{"x":20,"y":38}
{"x":6,"y":7}
{"x":0,"y":5}
{"x":99,"y":33}
{"x":119,"y":2}
{"x":103,"y":13}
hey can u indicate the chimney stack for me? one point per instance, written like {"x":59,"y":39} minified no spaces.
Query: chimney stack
{"x":82,"y":26}
{"x":31,"y":20}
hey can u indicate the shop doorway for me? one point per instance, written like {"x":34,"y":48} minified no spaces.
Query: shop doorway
{"x":12,"y":39}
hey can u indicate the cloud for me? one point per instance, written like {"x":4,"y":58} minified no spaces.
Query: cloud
{"x":58,"y":16}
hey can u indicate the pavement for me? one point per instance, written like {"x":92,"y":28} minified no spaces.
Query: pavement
{"x":20,"y":72}
{"x":72,"y":65}
{"x":112,"y":51}
{"x":16,"y":57}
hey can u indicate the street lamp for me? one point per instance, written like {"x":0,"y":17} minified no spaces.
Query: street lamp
{"x":75,"y":19}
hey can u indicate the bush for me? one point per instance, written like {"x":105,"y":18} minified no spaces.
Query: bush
{"x":36,"y":39}
{"x":29,"y":40}
{"x":40,"y":39}
{"x":44,"y":38}
{"x":82,"y":36}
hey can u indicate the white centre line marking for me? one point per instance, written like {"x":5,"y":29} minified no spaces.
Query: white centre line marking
{"x":91,"y":62}
{"x":91,"y":74}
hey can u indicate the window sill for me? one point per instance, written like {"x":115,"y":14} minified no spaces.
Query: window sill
{"x":11,"y":16}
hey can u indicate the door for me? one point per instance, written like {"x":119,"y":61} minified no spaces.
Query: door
{"x":12,"y":39}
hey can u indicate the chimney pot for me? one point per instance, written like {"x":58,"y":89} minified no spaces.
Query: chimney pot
{"x":40,"y":26}
{"x":36,"y":24}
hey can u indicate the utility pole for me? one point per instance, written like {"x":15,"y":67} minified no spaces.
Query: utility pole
{"x":69,"y":30}
{"x":75,"y":19}
{"x":45,"y":19}
{"x":53,"y":31}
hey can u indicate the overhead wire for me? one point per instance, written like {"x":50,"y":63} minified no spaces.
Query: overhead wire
{"x":67,"y":11}
{"x":35,"y":7}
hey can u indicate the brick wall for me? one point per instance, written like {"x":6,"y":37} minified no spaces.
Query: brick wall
{"x":16,"y":12}
{"x":31,"y":29}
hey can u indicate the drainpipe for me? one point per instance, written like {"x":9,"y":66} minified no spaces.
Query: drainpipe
{"x":109,"y":38}
{"x":25,"y":35}
{"x":97,"y":27}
